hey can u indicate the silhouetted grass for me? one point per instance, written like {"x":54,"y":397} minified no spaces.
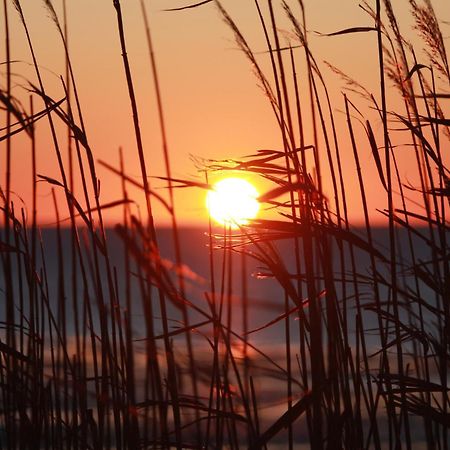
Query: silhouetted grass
{"x":105,"y":351}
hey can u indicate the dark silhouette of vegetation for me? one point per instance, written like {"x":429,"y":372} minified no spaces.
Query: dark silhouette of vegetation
{"x":120,"y":356}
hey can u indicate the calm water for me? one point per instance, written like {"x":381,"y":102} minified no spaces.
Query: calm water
{"x":265,"y":298}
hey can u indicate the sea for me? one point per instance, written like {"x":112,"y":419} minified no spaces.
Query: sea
{"x":250,"y":298}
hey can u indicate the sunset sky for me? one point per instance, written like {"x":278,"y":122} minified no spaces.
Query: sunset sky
{"x":212,"y":103}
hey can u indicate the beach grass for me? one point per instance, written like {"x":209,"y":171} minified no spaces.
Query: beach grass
{"x":105,"y":346}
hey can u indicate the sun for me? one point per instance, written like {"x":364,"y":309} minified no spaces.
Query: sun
{"x":232,"y":202}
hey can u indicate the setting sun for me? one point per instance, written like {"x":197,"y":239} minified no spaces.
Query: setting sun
{"x":232,"y":202}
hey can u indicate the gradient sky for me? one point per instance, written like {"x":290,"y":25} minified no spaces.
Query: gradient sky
{"x":213,"y":106}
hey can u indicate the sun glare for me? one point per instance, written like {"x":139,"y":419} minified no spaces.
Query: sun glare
{"x":232,"y":202}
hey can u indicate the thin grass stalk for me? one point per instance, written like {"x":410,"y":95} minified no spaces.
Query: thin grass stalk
{"x":6,"y":258}
{"x":384,"y":374}
{"x":74,"y":271}
{"x":313,"y":111}
{"x":340,"y":221}
{"x":371,"y":409}
{"x":100,"y":360}
{"x":301,"y":314}
{"x":228,"y":307}
{"x":218,"y":378}
{"x":245,"y":329}
{"x":335,"y":316}
{"x":20,"y":276}
{"x":332,"y":311}
{"x":445,"y":284}
{"x":317,"y":366}
{"x":226,"y":333}
{"x":423,"y":160}
{"x":60,"y":361}
{"x":245,"y":305}
{"x":229,"y":357}
{"x":68,"y":90}
{"x":288,"y":142}
{"x":410,"y":102}
{"x":117,"y":6}
{"x":45,"y":98}
{"x":131,"y":423}
{"x":56,"y":415}
{"x":71,"y":81}
{"x":106,"y":354}
{"x":425,"y":376}
{"x":31,"y":252}
{"x":153,"y":384}
{"x":33,"y":290}
{"x":8,"y":133}
{"x":228,"y":405}
{"x":3,"y":398}
{"x":441,"y":235}
{"x":115,"y":372}
{"x":79,"y":373}
{"x":255,"y":410}
{"x":215,"y":382}
{"x":287,"y":334}
{"x":393,"y":261}
{"x":169,"y":354}
{"x":154,"y":381}
{"x":20,"y":374}
{"x":232,"y":360}
{"x":443,"y":181}
{"x":57,"y":149}
{"x":178,"y":258}
{"x":41,"y":333}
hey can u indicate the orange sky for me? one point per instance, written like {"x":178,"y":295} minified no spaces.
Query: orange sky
{"x":213,"y":106}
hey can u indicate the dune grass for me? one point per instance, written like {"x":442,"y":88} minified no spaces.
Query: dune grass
{"x":116,"y":353}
